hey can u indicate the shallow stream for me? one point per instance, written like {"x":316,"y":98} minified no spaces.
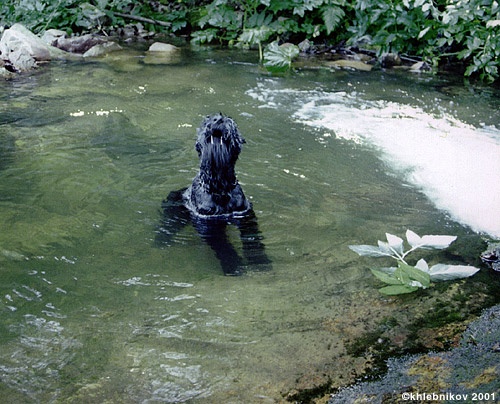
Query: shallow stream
{"x":93,"y":310}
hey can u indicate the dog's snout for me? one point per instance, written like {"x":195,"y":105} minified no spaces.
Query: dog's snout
{"x":216,"y":137}
{"x":217,"y":133}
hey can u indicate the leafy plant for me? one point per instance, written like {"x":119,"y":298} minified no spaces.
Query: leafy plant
{"x":257,"y":31}
{"x":392,"y":26}
{"x":472,"y":29}
{"x":406,"y":278}
{"x":438,"y":31}
{"x":221,"y":19}
{"x":278,"y":58}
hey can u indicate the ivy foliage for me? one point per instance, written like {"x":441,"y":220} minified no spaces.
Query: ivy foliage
{"x":439,"y":31}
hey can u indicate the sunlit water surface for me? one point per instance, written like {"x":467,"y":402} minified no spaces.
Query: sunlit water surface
{"x":93,"y":310}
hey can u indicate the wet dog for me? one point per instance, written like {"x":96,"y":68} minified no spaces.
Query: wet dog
{"x":215,"y":199}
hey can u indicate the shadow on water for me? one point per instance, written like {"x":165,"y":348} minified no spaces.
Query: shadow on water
{"x":94,"y":311}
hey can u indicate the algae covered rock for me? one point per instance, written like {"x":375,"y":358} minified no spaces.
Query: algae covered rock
{"x":160,"y":53}
{"x":462,"y":373}
{"x":162,"y":47}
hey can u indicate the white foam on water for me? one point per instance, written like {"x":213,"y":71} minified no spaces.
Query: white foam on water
{"x":455,"y":164}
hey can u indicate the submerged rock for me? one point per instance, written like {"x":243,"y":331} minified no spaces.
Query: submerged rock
{"x":162,"y":53}
{"x":420,"y":67}
{"x":163,"y":47}
{"x":102,"y":49}
{"x":390,"y":60}
{"x":350,"y":64}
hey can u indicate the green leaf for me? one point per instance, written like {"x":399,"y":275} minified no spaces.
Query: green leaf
{"x":259,"y":20}
{"x":91,"y":12}
{"x":369,"y":250}
{"x":385,"y":248}
{"x":437,"y":242}
{"x":278,"y":58}
{"x":255,"y":36}
{"x":397,"y":290}
{"x":414,"y":274}
{"x":390,"y":279}
{"x":332,"y":16}
{"x":402,"y":275}
{"x":493,"y":23}
{"x":395,"y":242}
{"x":422,"y":265}
{"x":443,"y":272}
{"x":423,"y":32}
{"x":205,"y":36}
{"x":428,"y":242}
{"x":307,"y":5}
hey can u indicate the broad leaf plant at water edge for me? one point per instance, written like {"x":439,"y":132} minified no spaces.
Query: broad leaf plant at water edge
{"x":406,"y":278}
{"x":438,"y":31}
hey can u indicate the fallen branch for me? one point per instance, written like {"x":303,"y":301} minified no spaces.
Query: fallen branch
{"x":143,"y":19}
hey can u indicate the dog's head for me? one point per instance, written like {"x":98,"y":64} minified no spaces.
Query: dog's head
{"x":219,"y":141}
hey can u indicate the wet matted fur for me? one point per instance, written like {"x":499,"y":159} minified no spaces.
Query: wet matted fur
{"x":216,"y":199}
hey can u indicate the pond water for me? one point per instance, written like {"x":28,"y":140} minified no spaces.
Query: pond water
{"x":93,"y":310}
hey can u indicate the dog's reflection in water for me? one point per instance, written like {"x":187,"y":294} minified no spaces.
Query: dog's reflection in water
{"x":215,"y":200}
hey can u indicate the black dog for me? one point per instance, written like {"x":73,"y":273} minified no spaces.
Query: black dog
{"x":215,"y":199}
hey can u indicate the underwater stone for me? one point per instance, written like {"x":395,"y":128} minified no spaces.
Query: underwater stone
{"x":162,"y":47}
{"x":420,"y":67}
{"x":350,"y":64}
{"x":160,"y":53}
{"x":102,"y":49}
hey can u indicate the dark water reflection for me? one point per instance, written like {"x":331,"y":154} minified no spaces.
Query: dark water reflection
{"x":94,"y":311}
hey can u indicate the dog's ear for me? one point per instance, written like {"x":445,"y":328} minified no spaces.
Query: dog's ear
{"x":235,"y":132}
{"x":199,"y":135}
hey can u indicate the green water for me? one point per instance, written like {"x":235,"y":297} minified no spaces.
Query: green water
{"x":93,"y":311}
